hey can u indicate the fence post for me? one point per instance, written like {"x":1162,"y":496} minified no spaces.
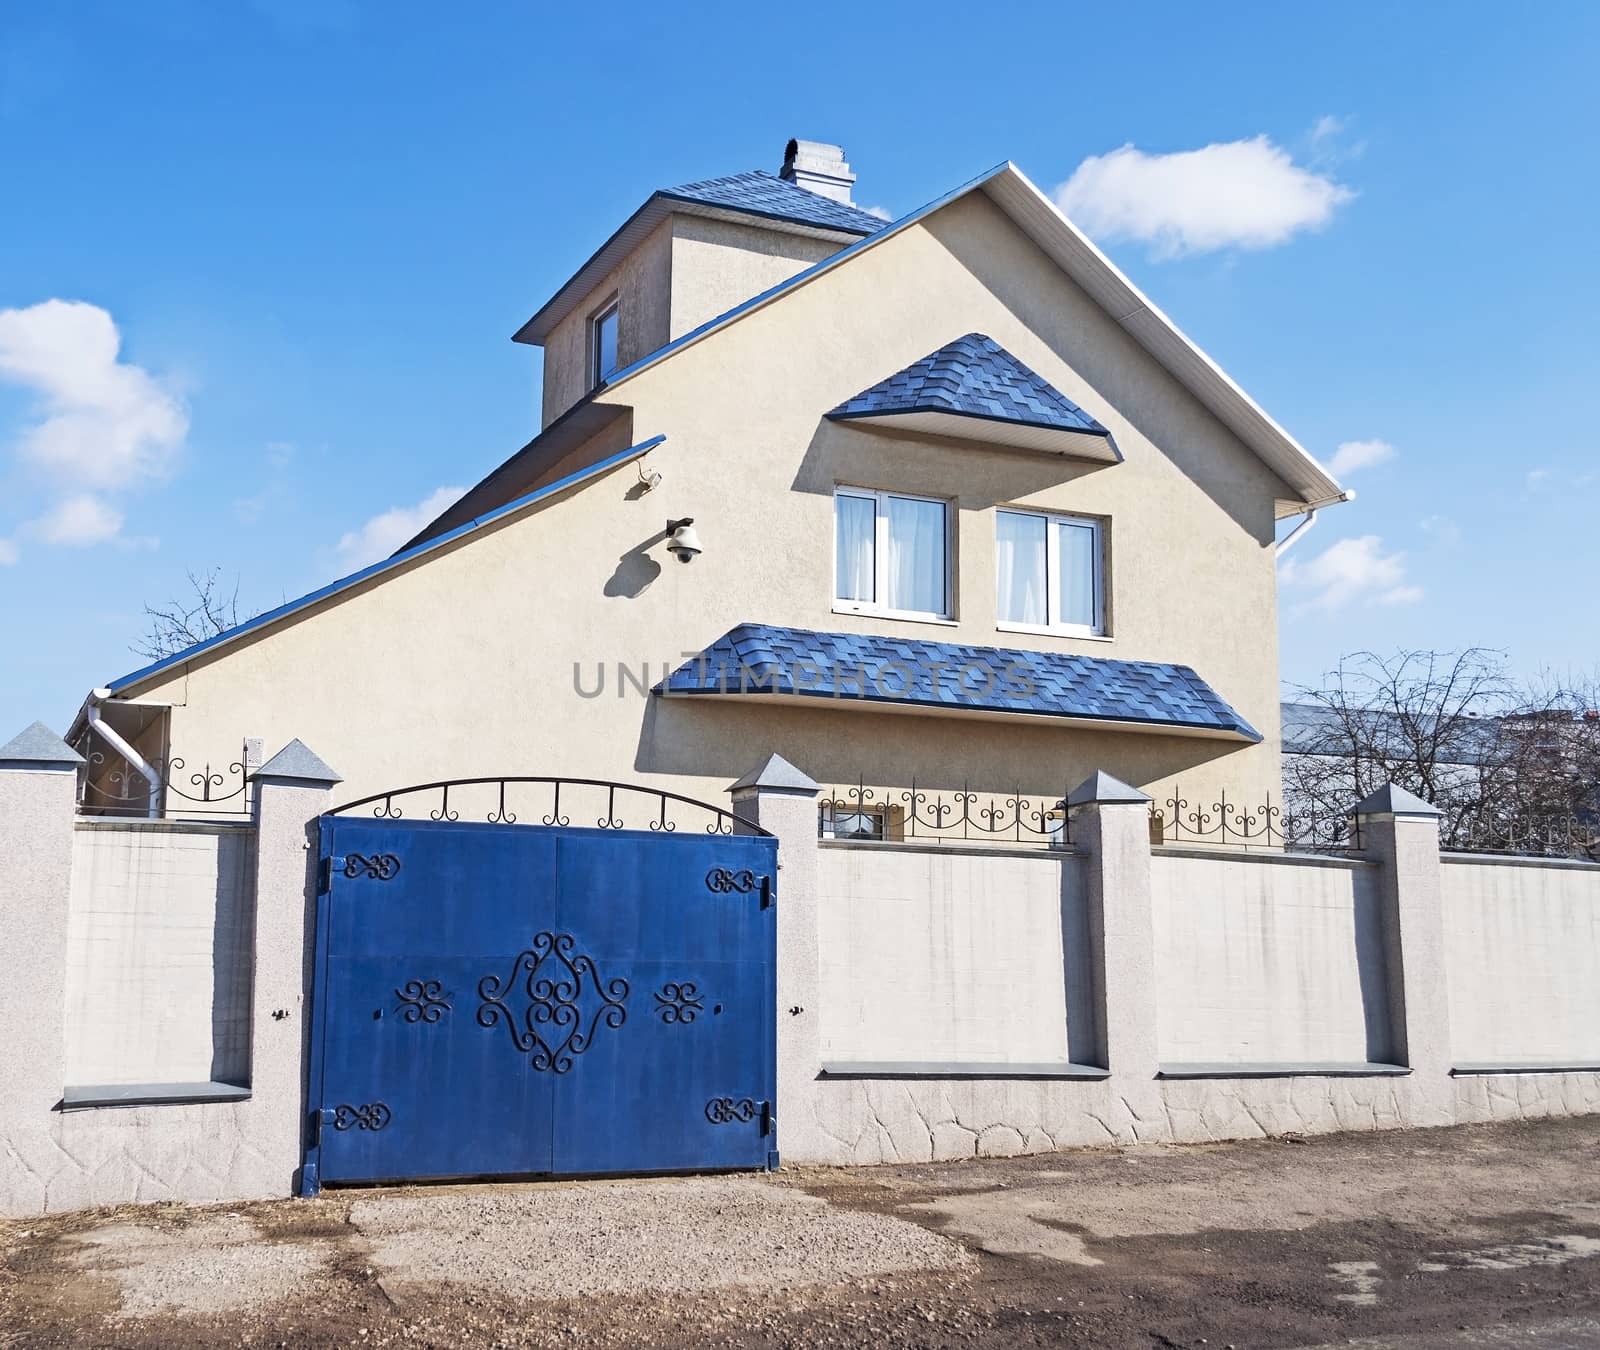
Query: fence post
{"x":783,"y":801}
{"x":1400,"y":832}
{"x":38,"y":791}
{"x":1111,"y":825}
{"x":291,"y":794}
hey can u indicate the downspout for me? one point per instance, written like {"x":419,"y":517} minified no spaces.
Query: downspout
{"x":1300,"y":529}
{"x":113,"y":738}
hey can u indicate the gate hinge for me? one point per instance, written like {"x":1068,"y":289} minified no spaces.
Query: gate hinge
{"x":324,"y":876}
{"x":769,"y":1118}
{"x":769,"y":893}
{"x":314,"y":1123}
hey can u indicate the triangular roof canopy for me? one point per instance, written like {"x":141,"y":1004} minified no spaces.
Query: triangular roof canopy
{"x":973,"y":389}
{"x":1071,"y":250}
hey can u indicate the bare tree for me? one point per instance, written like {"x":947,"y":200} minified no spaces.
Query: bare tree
{"x":1508,"y":766}
{"x":1424,"y":721}
{"x":209,"y":609}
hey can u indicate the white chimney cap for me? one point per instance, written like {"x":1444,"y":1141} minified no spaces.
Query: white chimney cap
{"x":819,"y":168}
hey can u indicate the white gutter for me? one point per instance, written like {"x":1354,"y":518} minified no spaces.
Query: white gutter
{"x":113,"y":738}
{"x":1300,"y":529}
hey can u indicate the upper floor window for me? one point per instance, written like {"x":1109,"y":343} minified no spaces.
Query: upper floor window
{"x":603,"y":345}
{"x":891,"y":554}
{"x":1050,"y":573}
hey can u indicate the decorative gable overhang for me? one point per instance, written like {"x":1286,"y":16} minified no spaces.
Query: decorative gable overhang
{"x":863,"y":671}
{"x":972,"y":389}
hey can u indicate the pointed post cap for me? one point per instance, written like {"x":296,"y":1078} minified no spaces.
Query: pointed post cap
{"x":1101,"y":789}
{"x":37,"y":747}
{"x":776,"y":774}
{"x":296,"y":763}
{"x":1390,"y":800}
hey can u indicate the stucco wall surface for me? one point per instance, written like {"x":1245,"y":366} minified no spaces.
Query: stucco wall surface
{"x":1268,"y":960}
{"x":1522,"y":961}
{"x":930,"y":957}
{"x":463,"y":664}
{"x":159,"y":938}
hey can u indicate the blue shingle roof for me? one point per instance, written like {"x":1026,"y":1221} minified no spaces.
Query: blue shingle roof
{"x":766,"y":194}
{"x":758,"y":658}
{"x":974,"y":376}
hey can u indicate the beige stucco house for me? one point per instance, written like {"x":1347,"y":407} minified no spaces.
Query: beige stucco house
{"x":942,"y":499}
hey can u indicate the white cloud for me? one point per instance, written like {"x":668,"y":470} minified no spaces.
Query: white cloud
{"x":882,"y":212}
{"x":1353,"y":456}
{"x":9,"y":552}
{"x":384,"y":533}
{"x":1536,"y":479}
{"x":101,"y":421}
{"x":79,"y":521}
{"x":1441,"y":529}
{"x":1350,"y":570}
{"x":1236,"y":194}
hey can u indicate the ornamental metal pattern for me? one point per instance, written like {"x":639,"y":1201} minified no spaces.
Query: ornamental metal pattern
{"x":679,"y":1002}
{"x":377,"y":866}
{"x":726,"y":1110}
{"x":721,"y":881}
{"x":567,"y":1002}
{"x":370,"y":1116}
{"x":422,"y":1001}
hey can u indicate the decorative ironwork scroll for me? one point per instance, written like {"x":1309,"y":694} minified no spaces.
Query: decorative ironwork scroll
{"x":371,"y":1116}
{"x":422,"y":1001}
{"x":377,"y":866}
{"x":679,"y":1002}
{"x":726,"y":1110}
{"x":567,"y":1002}
{"x":722,"y":881}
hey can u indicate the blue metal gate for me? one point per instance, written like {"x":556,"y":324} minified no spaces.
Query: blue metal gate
{"x":498,"y":999}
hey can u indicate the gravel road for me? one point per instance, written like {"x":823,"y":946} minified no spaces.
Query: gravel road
{"x":1481,"y":1235}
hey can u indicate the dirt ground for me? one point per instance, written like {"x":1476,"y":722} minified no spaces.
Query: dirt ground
{"x":1481,"y":1235}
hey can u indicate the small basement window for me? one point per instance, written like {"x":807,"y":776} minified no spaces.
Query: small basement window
{"x":842,"y":820}
{"x":1050,"y":573}
{"x":891,"y":554}
{"x":603,"y":346}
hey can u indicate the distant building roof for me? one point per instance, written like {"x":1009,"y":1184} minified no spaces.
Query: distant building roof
{"x":760,"y":660}
{"x":1316,"y":729}
{"x":976,"y":380}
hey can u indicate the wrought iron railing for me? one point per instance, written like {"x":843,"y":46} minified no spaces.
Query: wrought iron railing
{"x":1529,"y":836}
{"x":1223,"y":823}
{"x":593,"y":803}
{"x":866,"y":814}
{"x":109,"y":786}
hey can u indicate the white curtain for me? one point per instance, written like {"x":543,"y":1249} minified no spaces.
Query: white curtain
{"x":1078,"y":567}
{"x":855,"y":531}
{"x":916,"y":556}
{"x":1020,"y":567}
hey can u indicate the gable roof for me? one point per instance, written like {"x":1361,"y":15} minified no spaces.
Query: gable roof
{"x":1070,"y":249}
{"x":976,"y":378}
{"x":736,"y":197}
{"x":757,"y":660}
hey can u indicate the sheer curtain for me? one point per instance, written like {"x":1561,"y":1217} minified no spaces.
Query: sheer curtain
{"x":855,"y":536}
{"x":916,"y":556}
{"x":1020,"y":567}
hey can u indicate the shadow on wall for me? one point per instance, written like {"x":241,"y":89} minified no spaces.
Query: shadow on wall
{"x":1372,"y":972}
{"x":636,"y":569}
{"x":233,"y":933}
{"x":839,"y":746}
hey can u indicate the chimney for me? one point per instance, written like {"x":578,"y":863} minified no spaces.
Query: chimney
{"x":818,"y":168}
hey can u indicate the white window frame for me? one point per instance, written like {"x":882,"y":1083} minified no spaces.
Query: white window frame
{"x":880,"y":558}
{"x":612,"y":308}
{"x":1099,"y":630}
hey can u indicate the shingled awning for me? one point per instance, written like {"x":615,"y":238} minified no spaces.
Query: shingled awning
{"x":760,"y":661}
{"x":973,"y":389}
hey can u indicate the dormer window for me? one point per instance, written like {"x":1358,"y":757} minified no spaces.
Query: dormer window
{"x":603,"y":345}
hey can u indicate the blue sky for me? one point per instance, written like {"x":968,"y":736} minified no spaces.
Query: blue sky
{"x":300,"y":236}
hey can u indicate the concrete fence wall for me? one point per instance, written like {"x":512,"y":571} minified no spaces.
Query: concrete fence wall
{"x":160,"y":927}
{"x":930,"y":956}
{"x":1265,"y":959}
{"x":933,"y":1001}
{"x":1522,"y":959}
